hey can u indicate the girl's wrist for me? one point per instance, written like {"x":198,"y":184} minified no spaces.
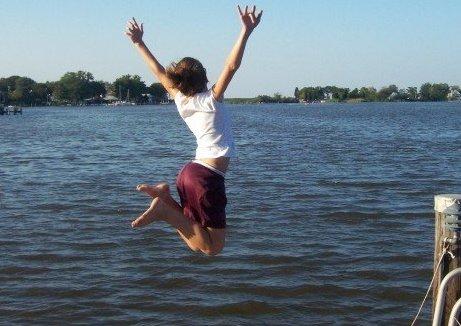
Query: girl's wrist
{"x":245,"y":32}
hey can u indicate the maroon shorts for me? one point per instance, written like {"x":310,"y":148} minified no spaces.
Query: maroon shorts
{"x":203,"y":195}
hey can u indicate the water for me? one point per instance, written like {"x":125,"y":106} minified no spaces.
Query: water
{"x":330,"y":216}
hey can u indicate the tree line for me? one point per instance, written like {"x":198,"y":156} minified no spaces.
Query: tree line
{"x":427,"y":92}
{"x":78,"y":88}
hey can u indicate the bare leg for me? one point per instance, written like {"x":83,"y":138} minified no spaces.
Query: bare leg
{"x":189,"y":244}
{"x":209,"y":241}
{"x":162,"y":190}
{"x":154,"y":191}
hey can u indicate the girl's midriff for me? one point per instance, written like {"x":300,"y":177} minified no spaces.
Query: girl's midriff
{"x":220,"y":163}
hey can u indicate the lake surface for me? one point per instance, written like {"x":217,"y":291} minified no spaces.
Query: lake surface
{"x":330,"y":216}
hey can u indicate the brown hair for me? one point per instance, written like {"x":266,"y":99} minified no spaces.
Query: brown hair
{"x":188,"y":76}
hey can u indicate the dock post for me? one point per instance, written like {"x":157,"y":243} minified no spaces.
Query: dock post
{"x":447,"y":235}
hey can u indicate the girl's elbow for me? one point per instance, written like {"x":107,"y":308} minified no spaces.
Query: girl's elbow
{"x":233,"y":67}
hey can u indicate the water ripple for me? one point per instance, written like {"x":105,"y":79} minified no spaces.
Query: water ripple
{"x":322,"y":203}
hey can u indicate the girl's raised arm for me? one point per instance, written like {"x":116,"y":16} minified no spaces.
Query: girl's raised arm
{"x":249,"y":22}
{"x":135,"y":33}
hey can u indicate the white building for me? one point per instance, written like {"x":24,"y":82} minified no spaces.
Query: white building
{"x":454,"y":94}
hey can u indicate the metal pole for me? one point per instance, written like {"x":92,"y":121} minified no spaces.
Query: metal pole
{"x":454,"y":313}
{"x":440,"y":303}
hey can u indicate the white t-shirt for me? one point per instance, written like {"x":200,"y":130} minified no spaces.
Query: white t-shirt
{"x":210,"y":122}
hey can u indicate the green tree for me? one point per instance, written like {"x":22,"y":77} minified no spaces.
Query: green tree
{"x":354,"y":94}
{"x":311,"y":94}
{"x":412,"y":94}
{"x":439,"y":92}
{"x":277,"y":97}
{"x":19,"y":90}
{"x":40,"y":93}
{"x":369,"y":94}
{"x":263,"y":99}
{"x":97,"y":89}
{"x":158,"y":92}
{"x":339,"y":94}
{"x":434,"y":92}
{"x":296,"y":94}
{"x":8,"y":84}
{"x":425,"y":91}
{"x":385,"y":93}
{"x":74,"y":87}
{"x":59,"y":93}
{"x":129,"y":85}
{"x":401,"y":95}
{"x":4,"y":90}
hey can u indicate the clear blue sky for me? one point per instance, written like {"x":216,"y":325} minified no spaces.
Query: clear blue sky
{"x":298,"y":43}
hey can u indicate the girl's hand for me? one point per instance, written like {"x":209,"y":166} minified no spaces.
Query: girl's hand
{"x":134,"y":31}
{"x":249,"y":19}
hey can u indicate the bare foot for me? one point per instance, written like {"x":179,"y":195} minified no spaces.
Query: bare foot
{"x":154,"y":212}
{"x":154,"y":191}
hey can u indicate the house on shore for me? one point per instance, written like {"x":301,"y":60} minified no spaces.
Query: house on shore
{"x":99,"y":100}
{"x":454,"y":94}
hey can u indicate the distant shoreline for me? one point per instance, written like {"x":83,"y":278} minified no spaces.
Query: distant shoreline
{"x":80,"y":88}
{"x":230,"y":102}
{"x":251,"y":101}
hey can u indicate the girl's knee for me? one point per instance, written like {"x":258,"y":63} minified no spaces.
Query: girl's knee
{"x":213,"y":250}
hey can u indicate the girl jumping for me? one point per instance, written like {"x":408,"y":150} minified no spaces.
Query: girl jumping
{"x":200,"y":219}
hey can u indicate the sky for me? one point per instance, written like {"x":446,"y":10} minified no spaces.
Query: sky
{"x":348,"y":43}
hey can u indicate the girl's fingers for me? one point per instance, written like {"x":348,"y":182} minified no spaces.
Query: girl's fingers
{"x":135,"y":23}
{"x":251,"y":14}
{"x":142,"y":27}
{"x":128,"y":34}
{"x":133,"y":28}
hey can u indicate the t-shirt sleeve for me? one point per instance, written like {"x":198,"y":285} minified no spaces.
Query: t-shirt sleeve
{"x":213,"y":98}
{"x":178,"y":98}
